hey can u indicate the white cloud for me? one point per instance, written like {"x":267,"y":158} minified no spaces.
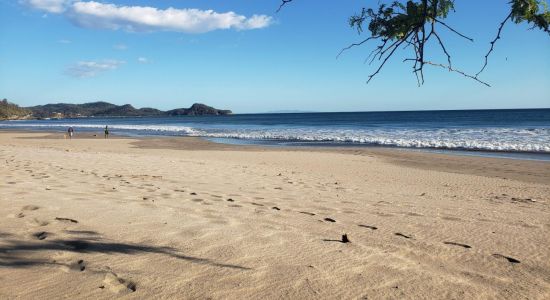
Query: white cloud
{"x":142,"y":60}
{"x":92,"y":14}
{"x":142,"y":18}
{"x":84,"y":69}
{"x":51,"y":6}
{"x":64,"y":41}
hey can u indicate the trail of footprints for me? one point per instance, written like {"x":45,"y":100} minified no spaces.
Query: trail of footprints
{"x":371,"y":227}
{"x":115,"y":283}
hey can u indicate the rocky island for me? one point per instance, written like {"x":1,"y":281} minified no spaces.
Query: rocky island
{"x":11,"y":111}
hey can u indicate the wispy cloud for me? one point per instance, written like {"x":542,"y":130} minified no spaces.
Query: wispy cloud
{"x":142,"y":60}
{"x":51,"y":6}
{"x":64,"y":41}
{"x":84,"y":69}
{"x":92,"y":14}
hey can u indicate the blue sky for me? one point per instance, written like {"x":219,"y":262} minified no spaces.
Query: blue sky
{"x":244,"y":56}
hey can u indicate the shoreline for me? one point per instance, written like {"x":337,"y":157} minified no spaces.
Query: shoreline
{"x":507,"y":154}
{"x":535,"y":171}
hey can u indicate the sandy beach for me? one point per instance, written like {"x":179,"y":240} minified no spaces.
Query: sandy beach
{"x":183,"y":218}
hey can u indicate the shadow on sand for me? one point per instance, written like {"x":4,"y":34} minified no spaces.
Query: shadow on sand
{"x":14,"y":253}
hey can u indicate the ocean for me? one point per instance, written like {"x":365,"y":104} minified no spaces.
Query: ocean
{"x":515,"y":132}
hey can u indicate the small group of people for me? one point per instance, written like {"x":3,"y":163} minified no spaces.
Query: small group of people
{"x":70,"y":132}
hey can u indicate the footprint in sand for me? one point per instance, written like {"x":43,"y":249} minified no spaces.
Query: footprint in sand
{"x":369,"y":227}
{"x":458,"y":244}
{"x":42,"y":235}
{"x":230,"y":200}
{"x":509,"y":259}
{"x":381,"y":214}
{"x":78,"y":266}
{"x":118,"y":285}
{"x":275,"y":208}
{"x":68,"y":263}
{"x":329,"y":220}
{"x":257,"y":204}
{"x":403,"y":235}
{"x":30,"y":207}
{"x":40,"y":223}
{"x":451,"y":218}
{"x":66,"y":220}
{"x":307,"y":213}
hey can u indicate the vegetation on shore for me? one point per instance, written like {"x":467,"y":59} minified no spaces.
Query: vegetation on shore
{"x":11,"y":111}
{"x":98,"y":109}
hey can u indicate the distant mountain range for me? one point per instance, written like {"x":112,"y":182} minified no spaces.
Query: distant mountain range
{"x":99,"y":109}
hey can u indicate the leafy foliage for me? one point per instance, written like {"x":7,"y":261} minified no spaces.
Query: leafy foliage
{"x":531,"y":11}
{"x":412,"y":24}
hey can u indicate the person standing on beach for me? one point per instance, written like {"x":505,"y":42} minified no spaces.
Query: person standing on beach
{"x":71,"y":132}
{"x":106,"y":131}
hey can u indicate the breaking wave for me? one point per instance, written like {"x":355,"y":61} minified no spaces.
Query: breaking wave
{"x":483,"y":138}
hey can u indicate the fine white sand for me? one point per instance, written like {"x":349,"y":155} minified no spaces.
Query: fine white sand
{"x":187,"y":219}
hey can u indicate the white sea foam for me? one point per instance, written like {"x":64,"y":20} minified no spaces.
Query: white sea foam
{"x":469,"y":139}
{"x":157,"y":128}
{"x":488,"y":139}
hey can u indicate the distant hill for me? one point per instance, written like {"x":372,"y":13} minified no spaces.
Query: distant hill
{"x":11,"y":111}
{"x":197,"y":109}
{"x":102,"y":109}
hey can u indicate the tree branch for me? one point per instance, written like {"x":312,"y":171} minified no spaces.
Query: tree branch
{"x":283,"y":3}
{"x":453,"y":30}
{"x":493,"y":43}
{"x":356,"y":44}
{"x":395,"y":46}
{"x":457,"y":71}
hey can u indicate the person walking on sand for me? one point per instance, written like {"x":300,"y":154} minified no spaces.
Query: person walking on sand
{"x":71,"y":132}
{"x":106,"y":131}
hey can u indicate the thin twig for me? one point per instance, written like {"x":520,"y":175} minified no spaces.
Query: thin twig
{"x":387,"y":57}
{"x":457,"y":71}
{"x":493,"y":43}
{"x":444,"y":49}
{"x":453,"y":30}
{"x":283,"y":3}
{"x":356,"y":44}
